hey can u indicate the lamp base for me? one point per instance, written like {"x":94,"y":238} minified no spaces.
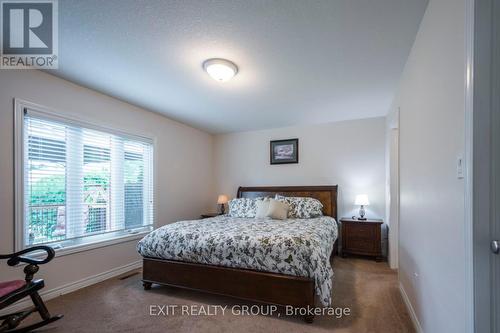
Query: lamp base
{"x":362,"y":214}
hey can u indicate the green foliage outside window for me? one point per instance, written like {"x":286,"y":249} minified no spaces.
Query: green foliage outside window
{"x":48,"y":193}
{"x":49,"y":190}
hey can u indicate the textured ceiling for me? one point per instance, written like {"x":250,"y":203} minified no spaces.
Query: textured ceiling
{"x":299,"y":61}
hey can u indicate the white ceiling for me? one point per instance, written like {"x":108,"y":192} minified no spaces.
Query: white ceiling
{"x":299,"y":61}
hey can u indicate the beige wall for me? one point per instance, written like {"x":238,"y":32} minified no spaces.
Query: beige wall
{"x":184,"y":182}
{"x":348,"y":153}
{"x":431,"y":230}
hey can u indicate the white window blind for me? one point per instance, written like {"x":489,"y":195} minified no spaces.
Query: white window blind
{"x":82,"y":184}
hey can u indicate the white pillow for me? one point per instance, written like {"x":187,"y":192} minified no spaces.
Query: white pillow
{"x":262,"y":208}
{"x":278,"y":210}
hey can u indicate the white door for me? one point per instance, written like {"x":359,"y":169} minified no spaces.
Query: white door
{"x":495,"y":228}
{"x":486,"y":165}
{"x":495,"y":168}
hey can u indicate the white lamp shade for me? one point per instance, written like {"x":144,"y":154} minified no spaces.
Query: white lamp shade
{"x":362,"y":199}
{"x":222,"y":199}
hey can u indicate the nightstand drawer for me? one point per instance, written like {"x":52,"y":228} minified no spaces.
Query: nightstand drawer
{"x":361,"y":246}
{"x":360,"y":231}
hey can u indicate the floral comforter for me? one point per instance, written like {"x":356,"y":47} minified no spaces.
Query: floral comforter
{"x":299,"y":247}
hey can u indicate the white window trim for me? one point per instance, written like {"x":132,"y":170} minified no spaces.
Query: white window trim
{"x":121,"y":237}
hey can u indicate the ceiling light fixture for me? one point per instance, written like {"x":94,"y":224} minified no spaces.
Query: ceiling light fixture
{"x":221,"y":70}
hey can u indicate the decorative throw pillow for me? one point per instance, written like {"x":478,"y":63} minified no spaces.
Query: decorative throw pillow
{"x":262,"y":208}
{"x":243,"y":207}
{"x":278,"y":210}
{"x":302,"y":207}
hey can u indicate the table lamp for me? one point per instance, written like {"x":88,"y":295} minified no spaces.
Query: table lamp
{"x":362,"y":200}
{"x":222,"y":200}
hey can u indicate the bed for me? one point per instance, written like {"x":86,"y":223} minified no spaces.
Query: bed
{"x":275,"y":262}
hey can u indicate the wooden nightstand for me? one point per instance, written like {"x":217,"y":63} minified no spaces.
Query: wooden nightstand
{"x":208,"y":215}
{"x":362,"y":237}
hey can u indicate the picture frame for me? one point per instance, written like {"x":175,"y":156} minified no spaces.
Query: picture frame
{"x":284,"y":151}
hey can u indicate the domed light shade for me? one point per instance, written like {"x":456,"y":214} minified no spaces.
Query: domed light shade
{"x":221,"y":70}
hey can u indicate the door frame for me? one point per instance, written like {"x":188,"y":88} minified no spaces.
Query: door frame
{"x":470,"y":32}
{"x":393,"y":187}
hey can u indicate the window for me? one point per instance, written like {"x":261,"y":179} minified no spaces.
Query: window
{"x":80,"y":184}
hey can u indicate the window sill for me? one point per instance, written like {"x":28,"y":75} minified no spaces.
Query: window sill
{"x":88,"y":246}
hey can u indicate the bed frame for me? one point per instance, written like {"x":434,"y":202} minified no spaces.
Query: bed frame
{"x":252,"y":285}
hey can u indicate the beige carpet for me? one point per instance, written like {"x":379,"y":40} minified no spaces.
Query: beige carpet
{"x":368,"y":288}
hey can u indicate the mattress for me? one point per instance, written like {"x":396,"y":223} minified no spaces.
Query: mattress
{"x":297,"y":247}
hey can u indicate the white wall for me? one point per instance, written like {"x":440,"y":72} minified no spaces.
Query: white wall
{"x":184,"y":184}
{"x":431,"y":100}
{"x":348,"y":153}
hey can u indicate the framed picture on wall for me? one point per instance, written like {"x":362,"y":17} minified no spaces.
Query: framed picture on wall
{"x":285,"y":151}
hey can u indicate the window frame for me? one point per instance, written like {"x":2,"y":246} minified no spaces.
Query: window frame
{"x":95,"y":241}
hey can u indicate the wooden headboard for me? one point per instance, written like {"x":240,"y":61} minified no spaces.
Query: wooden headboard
{"x":327,"y":195}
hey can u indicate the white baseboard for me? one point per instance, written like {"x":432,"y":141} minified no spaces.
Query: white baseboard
{"x":413,"y":315}
{"x":73,"y":286}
